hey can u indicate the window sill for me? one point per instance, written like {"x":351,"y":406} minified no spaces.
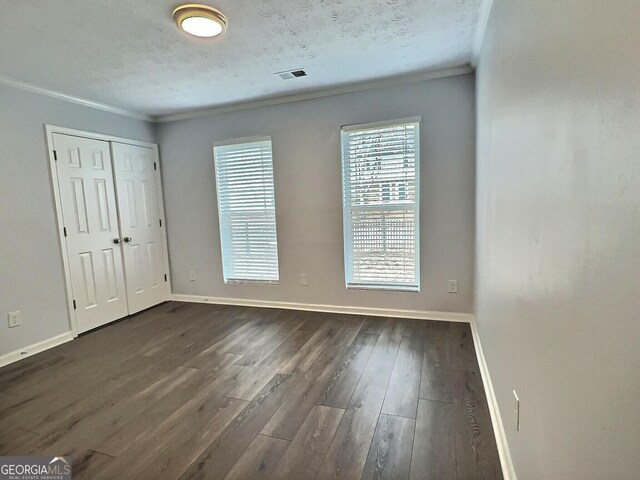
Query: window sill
{"x":386,"y":288}
{"x":252,"y":282}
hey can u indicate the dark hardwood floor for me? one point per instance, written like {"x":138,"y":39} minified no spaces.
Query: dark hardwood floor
{"x":191,"y":391}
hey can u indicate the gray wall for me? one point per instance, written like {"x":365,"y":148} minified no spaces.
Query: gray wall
{"x":31,"y":278}
{"x":306,"y":148}
{"x":558,"y":232}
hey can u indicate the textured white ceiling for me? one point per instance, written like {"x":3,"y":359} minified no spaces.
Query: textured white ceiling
{"x":128,"y":53}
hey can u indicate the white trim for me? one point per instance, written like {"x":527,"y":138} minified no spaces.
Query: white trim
{"x":384,"y":287}
{"x":25,"y":352}
{"x":481,"y":29}
{"x":376,"y":312}
{"x":10,"y":82}
{"x":357,"y":127}
{"x":163,"y":217}
{"x":328,"y":92}
{"x":49,"y":131}
{"x":246,"y":105}
{"x":496,"y":419}
{"x":243,"y":140}
{"x":57,"y":200}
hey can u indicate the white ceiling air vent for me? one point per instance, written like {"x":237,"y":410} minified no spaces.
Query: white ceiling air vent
{"x":288,"y":74}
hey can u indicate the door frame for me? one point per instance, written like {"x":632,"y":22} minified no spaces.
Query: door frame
{"x":49,"y":131}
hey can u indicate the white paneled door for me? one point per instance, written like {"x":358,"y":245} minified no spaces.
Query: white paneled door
{"x":109,"y":202}
{"x":140,"y":224}
{"x":92,"y":234}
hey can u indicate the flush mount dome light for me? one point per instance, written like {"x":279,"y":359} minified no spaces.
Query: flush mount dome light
{"x":200,"y":20}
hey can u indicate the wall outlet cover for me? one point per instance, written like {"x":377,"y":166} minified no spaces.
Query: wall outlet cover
{"x":192,"y":275}
{"x":14,"y":319}
{"x":304,"y":279}
{"x":452,"y":286}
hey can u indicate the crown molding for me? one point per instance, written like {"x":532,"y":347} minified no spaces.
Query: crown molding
{"x":481,"y":29}
{"x":10,"y":82}
{"x":326,"y":92}
{"x":264,"y":102}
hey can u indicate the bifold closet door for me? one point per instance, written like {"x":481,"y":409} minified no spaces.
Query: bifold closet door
{"x":90,"y":217}
{"x":138,"y":205}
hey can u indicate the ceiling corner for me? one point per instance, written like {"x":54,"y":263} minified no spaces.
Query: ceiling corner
{"x":481,"y":28}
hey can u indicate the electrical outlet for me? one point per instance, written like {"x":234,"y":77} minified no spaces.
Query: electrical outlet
{"x":15,"y":319}
{"x":304,"y":279}
{"x":516,"y":410}
{"x":192,"y":275}
{"x":453,"y":286}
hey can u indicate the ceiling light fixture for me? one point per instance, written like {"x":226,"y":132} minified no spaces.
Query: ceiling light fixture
{"x":200,"y":20}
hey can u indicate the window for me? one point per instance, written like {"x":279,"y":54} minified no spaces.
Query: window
{"x":380,"y":187}
{"x":247,"y":210}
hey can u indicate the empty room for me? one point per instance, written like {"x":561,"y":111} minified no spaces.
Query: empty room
{"x":320,"y":239}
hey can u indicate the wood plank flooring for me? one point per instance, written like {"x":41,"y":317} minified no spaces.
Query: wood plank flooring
{"x":192,"y":391}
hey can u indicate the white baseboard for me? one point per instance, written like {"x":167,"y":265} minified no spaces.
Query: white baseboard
{"x":25,"y":352}
{"x":377,"y":312}
{"x":496,"y":419}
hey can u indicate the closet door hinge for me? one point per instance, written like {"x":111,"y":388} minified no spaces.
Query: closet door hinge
{"x":155,"y":167}
{"x":74,"y":305}
{"x":165,"y":277}
{"x":64,"y":230}
{"x":160,"y":220}
{"x":55,"y":155}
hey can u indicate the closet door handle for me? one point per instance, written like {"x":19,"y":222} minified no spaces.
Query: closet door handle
{"x":116,"y":241}
{"x":126,"y":239}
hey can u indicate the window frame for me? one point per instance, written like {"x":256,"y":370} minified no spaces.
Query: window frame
{"x":347,"y":209}
{"x":242,"y":141}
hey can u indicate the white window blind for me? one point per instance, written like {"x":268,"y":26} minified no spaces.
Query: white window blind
{"x":246,"y":209}
{"x":380,"y":185}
